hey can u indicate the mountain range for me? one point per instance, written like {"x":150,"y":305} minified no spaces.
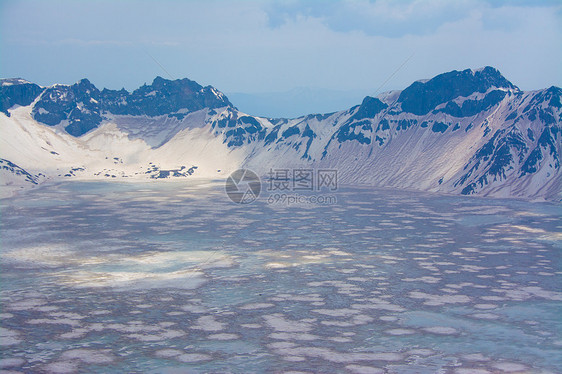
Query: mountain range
{"x":461,"y":132}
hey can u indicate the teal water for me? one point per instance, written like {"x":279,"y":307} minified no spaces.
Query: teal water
{"x":173,"y":278}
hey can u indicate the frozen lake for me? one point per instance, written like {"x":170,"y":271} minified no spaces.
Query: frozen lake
{"x":174,"y":278}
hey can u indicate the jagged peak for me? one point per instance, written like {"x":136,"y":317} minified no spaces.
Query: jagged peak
{"x":83,"y":83}
{"x":423,"y":96}
{"x":160,"y":82}
{"x":4,"y":82}
{"x":554,"y":89}
{"x":122,"y":90}
{"x":485,"y":69}
{"x":369,"y":108}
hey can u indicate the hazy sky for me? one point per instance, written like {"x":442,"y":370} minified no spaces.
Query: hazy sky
{"x":262,"y":46}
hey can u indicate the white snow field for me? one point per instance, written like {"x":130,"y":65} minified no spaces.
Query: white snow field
{"x":173,"y":277}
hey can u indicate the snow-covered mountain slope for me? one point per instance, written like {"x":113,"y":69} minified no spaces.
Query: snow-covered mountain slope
{"x":467,"y":132}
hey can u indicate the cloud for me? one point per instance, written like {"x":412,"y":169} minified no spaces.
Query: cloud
{"x":395,"y":19}
{"x":376,"y":18}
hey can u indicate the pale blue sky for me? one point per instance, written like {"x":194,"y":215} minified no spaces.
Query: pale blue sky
{"x":265,"y":46}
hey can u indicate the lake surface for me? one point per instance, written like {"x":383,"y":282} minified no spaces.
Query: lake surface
{"x":173,"y":277}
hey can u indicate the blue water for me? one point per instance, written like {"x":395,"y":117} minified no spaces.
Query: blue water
{"x":174,"y":278}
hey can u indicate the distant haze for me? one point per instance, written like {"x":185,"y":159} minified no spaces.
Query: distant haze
{"x":296,"y":102}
